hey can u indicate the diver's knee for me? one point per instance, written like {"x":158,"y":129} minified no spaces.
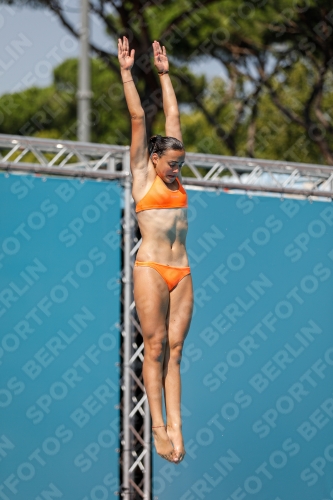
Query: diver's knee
{"x":176,"y":350}
{"x":154,"y":350}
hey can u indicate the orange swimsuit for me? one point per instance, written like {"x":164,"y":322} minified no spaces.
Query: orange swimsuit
{"x":159,"y":196}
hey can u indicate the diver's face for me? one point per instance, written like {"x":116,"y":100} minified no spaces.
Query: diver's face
{"x":169,"y":164}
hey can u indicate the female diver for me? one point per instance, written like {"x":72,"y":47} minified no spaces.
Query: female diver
{"x":162,"y":281}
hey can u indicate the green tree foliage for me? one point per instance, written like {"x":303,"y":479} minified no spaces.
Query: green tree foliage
{"x":51,"y":111}
{"x":273,"y":98}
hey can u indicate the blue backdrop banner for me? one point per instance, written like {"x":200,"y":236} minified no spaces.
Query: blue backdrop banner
{"x":257,"y":368}
{"x":59,"y":351}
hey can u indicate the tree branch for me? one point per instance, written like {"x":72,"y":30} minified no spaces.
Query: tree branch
{"x":100,"y":13}
{"x":251,"y":131}
{"x":317,"y":89}
{"x":105,"y":56}
{"x":288,"y":113}
{"x":182,"y":16}
{"x":223,"y":134}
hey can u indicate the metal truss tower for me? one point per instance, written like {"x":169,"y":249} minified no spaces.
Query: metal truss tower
{"x":202,"y":172}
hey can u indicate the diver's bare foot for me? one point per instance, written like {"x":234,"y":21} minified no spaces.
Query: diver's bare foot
{"x":175,"y":434}
{"x":163,"y":445}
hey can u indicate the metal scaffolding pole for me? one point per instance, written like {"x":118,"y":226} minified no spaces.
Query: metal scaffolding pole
{"x":84,"y":93}
{"x":127,"y":331}
{"x":147,"y":457}
{"x":32,"y":168}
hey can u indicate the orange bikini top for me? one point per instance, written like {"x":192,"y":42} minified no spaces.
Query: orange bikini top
{"x":159,"y":196}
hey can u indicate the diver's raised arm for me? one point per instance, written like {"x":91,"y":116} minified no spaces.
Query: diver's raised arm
{"x":139,"y":148}
{"x":170,"y":105}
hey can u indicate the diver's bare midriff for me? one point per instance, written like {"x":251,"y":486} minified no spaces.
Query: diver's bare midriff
{"x":163,"y":234}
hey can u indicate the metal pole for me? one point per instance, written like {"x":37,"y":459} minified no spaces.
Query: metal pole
{"x":34,"y":168}
{"x":84,"y":93}
{"x":187,"y":181}
{"x":147,"y":457}
{"x":127,"y":280}
{"x":219,"y":184}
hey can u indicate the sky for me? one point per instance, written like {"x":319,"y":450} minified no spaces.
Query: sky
{"x":33,"y":42}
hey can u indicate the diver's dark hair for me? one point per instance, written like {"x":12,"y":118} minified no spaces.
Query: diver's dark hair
{"x":158,"y":144}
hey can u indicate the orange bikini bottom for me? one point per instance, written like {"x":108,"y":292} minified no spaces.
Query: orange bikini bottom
{"x":171,"y":274}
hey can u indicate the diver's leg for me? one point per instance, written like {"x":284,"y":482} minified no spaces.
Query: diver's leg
{"x":151,"y":296}
{"x":179,"y":319}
